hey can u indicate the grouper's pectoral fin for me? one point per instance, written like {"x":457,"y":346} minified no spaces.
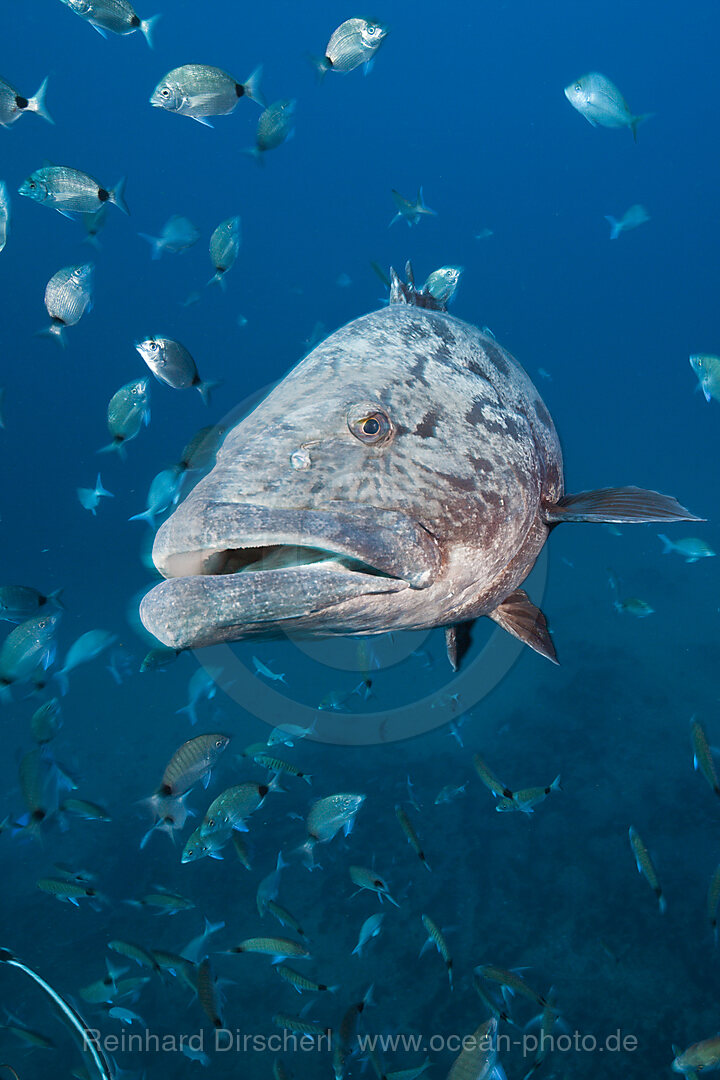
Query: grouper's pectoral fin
{"x":458,"y":639}
{"x":518,"y":615}
{"x":623,"y":505}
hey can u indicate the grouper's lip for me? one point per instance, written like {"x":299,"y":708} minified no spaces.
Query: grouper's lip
{"x":224,"y":582}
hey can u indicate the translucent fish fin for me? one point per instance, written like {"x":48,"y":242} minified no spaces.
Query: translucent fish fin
{"x":251,"y":86}
{"x":147,"y":27}
{"x":155,"y":243}
{"x":637,"y":120}
{"x":203,"y":121}
{"x":99,"y":30}
{"x":621,"y":505}
{"x":37,"y":105}
{"x":321,"y":64}
{"x":367,"y":67}
{"x":204,"y":388}
{"x":519,"y":616}
{"x":615,"y":226}
{"x":117,"y":196}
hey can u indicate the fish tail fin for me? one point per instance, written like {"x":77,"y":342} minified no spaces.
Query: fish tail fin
{"x":147,"y":515}
{"x":37,"y":104}
{"x":93,"y":241}
{"x":218,"y":278}
{"x":117,"y":196}
{"x":615,"y":226}
{"x":667,"y":544}
{"x":54,"y":597}
{"x":637,"y":120}
{"x":56,"y":331}
{"x":63,"y":682}
{"x":156,"y":245}
{"x":100,"y":490}
{"x":320,"y":64}
{"x":556,"y":785}
{"x":625,"y":505}
{"x":251,"y":86}
{"x":117,"y":446}
{"x":256,"y":153}
{"x":203,"y":388}
{"x":147,"y":26}
{"x":421,"y":206}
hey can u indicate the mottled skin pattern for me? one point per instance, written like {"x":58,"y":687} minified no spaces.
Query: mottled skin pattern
{"x":472,"y":460}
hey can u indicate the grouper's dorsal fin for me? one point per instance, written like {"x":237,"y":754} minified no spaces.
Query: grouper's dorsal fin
{"x":458,"y":639}
{"x":518,"y":615}
{"x":402,"y":292}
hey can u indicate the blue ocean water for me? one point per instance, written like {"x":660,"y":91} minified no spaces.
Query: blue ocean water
{"x":468,"y":102}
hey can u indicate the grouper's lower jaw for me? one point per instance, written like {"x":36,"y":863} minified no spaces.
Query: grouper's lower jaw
{"x":308,"y":600}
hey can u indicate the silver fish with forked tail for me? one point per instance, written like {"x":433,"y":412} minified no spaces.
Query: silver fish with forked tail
{"x":406,"y":474}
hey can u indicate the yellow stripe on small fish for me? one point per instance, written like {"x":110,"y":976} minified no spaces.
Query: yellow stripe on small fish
{"x":702,"y":756}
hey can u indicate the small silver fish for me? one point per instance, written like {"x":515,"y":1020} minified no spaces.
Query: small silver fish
{"x":355,"y":42}
{"x":199,"y":91}
{"x":68,"y":295}
{"x":30,"y":646}
{"x":229,"y":810}
{"x":224,"y":247}
{"x":690,"y":547}
{"x":369,"y":929}
{"x":46,"y":721}
{"x":4,"y":214}
{"x":171,"y":363}
{"x":634,"y":216}
{"x":128,"y":410}
{"x":327,"y":817}
{"x":707,"y":369}
{"x":164,"y":492}
{"x":274,"y":127}
{"x":117,"y":16}
{"x":598,"y":99}
{"x":85,"y":648}
{"x":192,"y":762}
{"x":202,"y":684}
{"x":13,"y":104}
{"x":411,"y":212}
{"x":21,"y":602}
{"x":442,"y":284}
{"x":70,"y":191}
{"x":178,"y":234}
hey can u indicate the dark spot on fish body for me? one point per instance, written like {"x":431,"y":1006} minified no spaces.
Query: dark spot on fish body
{"x":426,"y":428}
{"x":58,"y":321}
{"x":442,"y":353}
{"x":459,"y":483}
{"x":497,"y":359}
{"x":5,"y":956}
{"x":491,"y":498}
{"x":37,"y":815}
{"x":135,"y":22}
{"x":263,"y":790}
{"x":418,"y":369}
{"x":164,"y":789}
{"x":481,"y":465}
{"x":443,"y":331}
{"x":21,"y":102}
{"x":103,"y":195}
{"x":239,"y":89}
{"x":542,"y":414}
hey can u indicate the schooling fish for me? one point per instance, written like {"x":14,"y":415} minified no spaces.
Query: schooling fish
{"x":89,"y":498}
{"x":645,"y":867}
{"x":27,"y":648}
{"x":70,"y":191}
{"x":411,"y":212}
{"x":690,"y":547}
{"x":598,"y":99}
{"x":178,"y":234}
{"x":68,"y":295}
{"x":117,"y":16}
{"x":355,"y":42}
{"x":20,"y":602}
{"x":224,"y":247}
{"x":13,"y":104}
{"x":4,"y":214}
{"x":636,"y":215}
{"x":707,"y":369}
{"x":274,"y":127}
{"x":199,"y":91}
{"x":701,"y":1057}
{"x":192,"y":763}
{"x":431,"y":480}
{"x":171,"y":363}
{"x":128,"y":410}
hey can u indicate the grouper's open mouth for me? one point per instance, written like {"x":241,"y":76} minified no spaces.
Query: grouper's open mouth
{"x":237,"y":570}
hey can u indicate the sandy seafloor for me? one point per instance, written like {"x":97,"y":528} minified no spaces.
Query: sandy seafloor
{"x":467,"y":101}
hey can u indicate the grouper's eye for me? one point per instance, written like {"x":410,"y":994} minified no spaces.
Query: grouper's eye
{"x":370,"y":424}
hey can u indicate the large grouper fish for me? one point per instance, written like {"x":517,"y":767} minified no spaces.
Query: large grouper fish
{"x":404,"y":475}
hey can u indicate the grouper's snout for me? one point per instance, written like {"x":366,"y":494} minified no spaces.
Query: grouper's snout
{"x":238,"y":570}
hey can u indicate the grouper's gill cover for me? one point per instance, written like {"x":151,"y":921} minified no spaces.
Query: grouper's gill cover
{"x":403,"y":475}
